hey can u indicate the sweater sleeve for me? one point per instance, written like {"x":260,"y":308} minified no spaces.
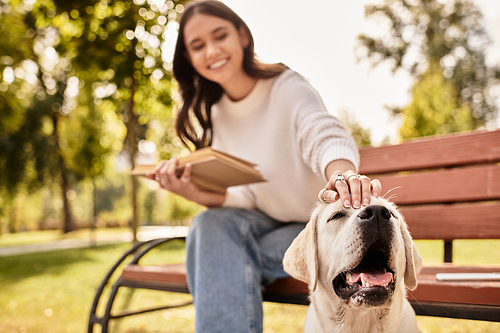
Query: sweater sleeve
{"x":320,"y":137}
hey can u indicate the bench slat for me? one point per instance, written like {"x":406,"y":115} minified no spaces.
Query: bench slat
{"x":173,"y":273}
{"x":287,"y":290}
{"x":456,"y":221}
{"x":444,"y":186}
{"x":425,"y":153}
{"x":467,"y":292}
{"x":480,"y":293}
{"x":172,"y":277}
{"x":455,"y":310}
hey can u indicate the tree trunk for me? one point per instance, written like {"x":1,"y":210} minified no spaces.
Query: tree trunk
{"x":68,"y":223}
{"x":65,"y":186}
{"x":3,"y":211}
{"x":132,"y":148}
{"x":12,"y":224}
{"x":93,"y":224}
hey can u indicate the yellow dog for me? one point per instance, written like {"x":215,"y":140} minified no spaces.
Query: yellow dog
{"x":358,"y":263}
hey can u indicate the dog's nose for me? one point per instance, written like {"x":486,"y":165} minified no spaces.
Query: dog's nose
{"x":375,"y":213}
{"x":375,"y":224}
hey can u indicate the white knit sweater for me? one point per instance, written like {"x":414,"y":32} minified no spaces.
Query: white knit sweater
{"x":283,"y":127}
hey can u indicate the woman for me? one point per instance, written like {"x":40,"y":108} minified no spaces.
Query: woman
{"x":269,"y":115}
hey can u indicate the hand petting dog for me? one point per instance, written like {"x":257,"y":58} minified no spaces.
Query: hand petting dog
{"x":353,"y":189}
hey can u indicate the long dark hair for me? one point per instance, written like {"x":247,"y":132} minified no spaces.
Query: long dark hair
{"x":199,"y":94}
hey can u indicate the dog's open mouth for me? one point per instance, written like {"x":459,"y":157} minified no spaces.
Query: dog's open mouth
{"x":371,"y":282}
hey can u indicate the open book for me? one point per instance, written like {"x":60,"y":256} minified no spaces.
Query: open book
{"x":212,"y":170}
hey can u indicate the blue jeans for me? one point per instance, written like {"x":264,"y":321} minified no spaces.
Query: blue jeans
{"x":231,"y":254}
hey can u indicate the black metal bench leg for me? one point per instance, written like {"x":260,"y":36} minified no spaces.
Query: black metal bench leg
{"x":134,"y":250}
{"x":93,"y":319}
{"x":448,"y":251}
{"x":107,"y":313}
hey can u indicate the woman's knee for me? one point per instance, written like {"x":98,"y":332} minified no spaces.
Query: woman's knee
{"x":217,"y":233}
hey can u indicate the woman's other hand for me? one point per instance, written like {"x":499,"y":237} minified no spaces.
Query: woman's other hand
{"x":165,"y":175}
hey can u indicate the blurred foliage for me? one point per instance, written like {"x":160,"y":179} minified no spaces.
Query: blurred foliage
{"x":434,"y":108}
{"x":42,"y":210}
{"x":361,"y":135}
{"x":80,"y":82}
{"x":443,"y":45}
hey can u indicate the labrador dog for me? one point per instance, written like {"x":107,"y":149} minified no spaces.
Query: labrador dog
{"x":358,"y":264}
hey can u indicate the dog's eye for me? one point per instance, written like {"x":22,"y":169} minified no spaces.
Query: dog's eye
{"x":336,"y":216}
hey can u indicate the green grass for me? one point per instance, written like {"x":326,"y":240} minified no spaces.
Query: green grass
{"x":53,"y":291}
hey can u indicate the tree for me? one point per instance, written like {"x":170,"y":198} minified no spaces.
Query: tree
{"x":438,"y":42}
{"x":37,"y":85}
{"x":33,"y":85}
{"x":433,"y":109}
{"x":119,"y":42}
{"x":112,"y":50}
{"x":95,"y":136}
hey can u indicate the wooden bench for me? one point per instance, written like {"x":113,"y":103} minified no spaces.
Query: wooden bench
{"x":447,"y":188}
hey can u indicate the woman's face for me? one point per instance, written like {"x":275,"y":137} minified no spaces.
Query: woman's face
{"x":215,"y":49}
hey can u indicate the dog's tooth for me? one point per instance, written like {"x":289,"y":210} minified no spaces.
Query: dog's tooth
{"x":348,"y":277}
{"x":363,"y":281}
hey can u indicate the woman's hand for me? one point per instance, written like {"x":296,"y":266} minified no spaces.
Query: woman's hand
{"x":352,"y":189}
{"x":165,"y":175}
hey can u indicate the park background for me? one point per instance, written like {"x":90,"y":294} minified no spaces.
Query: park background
{"x":86,"y":92}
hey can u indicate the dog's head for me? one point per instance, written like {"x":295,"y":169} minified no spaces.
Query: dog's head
{"x":358,"y":255}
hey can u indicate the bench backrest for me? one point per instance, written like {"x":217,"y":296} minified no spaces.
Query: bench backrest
{"x":447,"y":187}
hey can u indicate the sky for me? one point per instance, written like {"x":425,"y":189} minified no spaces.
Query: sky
{"x":318,"y":39}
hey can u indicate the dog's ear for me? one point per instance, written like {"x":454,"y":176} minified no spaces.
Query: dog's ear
{"x":413,"y":259}
{"x":301,"y":258}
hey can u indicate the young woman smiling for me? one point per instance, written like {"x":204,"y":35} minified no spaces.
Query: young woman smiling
{"x":267,"y":114}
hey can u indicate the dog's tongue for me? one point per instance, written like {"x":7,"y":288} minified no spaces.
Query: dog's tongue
{"x":373,"y":279}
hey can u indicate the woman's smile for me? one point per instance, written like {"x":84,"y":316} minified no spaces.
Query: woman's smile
{"x":218,"y":64}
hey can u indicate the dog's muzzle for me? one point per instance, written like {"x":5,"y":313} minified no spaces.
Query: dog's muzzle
{"x":369,"y":282}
